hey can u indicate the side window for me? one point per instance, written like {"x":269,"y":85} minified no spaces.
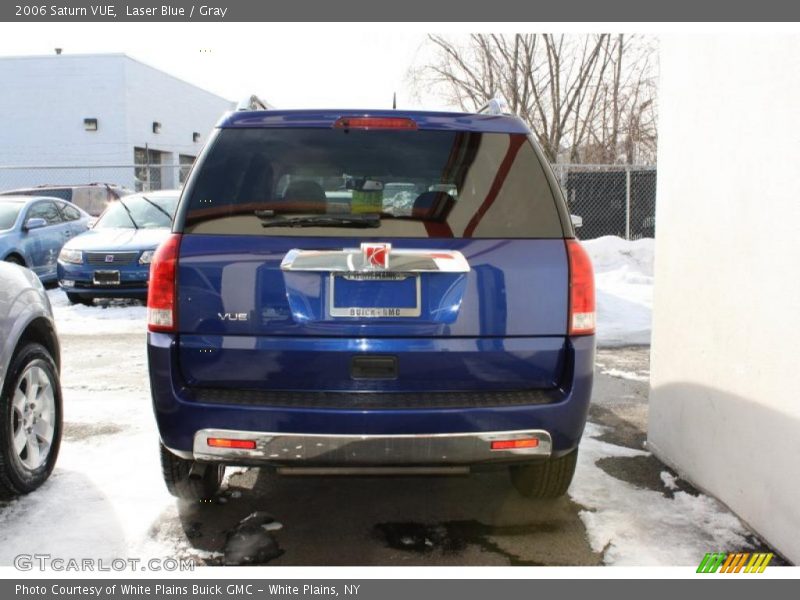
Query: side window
{"x":45,"y":210}
{"x":63,"y":193}
{"x":70,"y":212}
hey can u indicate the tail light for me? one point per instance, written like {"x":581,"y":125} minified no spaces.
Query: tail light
{"x":582,"y":310}
{"x":375,"y":123}
{"x":162,"y":294}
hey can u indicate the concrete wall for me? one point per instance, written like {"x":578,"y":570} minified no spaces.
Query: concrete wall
{"x":46,"y":98}
{"x":725,"y":398}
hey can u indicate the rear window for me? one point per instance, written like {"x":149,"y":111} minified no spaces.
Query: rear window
{"x":333,"y":182}
{"x":9,"y":211}
{"x":61,"y":193}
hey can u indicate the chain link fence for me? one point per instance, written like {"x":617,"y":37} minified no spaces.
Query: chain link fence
{"x":609,"y":199}
{"x":138,"y":178}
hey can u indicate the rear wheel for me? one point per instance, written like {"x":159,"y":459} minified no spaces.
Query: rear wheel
{"x":184,"y":484}
{"x":78,"y":299}
{"x":15,"y":260}
{"x":30,"y":421}
{"x":547,"y":479}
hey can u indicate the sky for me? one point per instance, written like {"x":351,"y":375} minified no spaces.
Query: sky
{"x":288,"y":65}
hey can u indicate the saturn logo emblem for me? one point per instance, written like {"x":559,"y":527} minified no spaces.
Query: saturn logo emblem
{"x":376,"y":256}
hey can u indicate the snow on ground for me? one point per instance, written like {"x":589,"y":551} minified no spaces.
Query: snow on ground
{"x":106,"y":491}
{"x":636,"y":526}
{"x":623,"y":274}
{"x":109,"y":317}
{"x":669,"y":480}
{"x":630,"y":375}
{"x":101,"y":501}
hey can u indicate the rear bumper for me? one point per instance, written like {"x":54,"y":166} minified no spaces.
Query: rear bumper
{"x":321,"y":450}
{"x":183,"y":418}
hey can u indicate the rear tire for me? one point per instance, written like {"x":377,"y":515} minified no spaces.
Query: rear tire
{"x":15,"y":260}
{"x":547,"y":479}
{"x":176,"y":476}
{"x":30,"y":421}
{"x":77,"y":299}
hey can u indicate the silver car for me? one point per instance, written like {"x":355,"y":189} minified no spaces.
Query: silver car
{"x":30,"y":390}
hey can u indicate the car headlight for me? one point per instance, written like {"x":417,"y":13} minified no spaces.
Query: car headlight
{"x":74,"y":257}
{"x":147,"y":257}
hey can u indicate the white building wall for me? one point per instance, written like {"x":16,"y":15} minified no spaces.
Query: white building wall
{"x":181,"y":108}
{"x":46,"y":98}
{"x":44,"y":101}
{"x":725,"y":397}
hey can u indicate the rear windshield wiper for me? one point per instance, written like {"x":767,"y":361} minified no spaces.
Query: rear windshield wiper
{"x":372,"y":220}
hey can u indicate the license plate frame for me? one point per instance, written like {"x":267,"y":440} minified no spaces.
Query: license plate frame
{"x":374,"y":312}
{"x":110,"y":278}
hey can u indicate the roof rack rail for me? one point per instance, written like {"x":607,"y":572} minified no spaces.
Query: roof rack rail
{"x":252,"y":103}
{"x":495,"y":106}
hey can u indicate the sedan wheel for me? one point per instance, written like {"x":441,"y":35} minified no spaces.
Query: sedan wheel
{"x":33,"y":413}
{"x":30,"y":421}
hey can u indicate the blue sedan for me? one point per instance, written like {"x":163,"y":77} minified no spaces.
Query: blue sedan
{"x":112,"y":260}
{"x":33,"y":230}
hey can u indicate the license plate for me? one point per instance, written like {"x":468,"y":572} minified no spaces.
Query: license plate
{"x":106,"y":277}
{"x":375,"y":295}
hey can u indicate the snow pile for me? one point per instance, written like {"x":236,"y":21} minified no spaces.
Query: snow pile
{"x":623,"y":273}
{"x":108,"y":317}
{"x":636,"y":526}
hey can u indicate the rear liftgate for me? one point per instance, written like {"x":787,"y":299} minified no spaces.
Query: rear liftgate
{"x":373,"y":282}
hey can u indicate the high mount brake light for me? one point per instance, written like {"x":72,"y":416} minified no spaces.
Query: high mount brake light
{"x":162,"y":293}
{"x":582,"y":310}
{"x":375,"y":123}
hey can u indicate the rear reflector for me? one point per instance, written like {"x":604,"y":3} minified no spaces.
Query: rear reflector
{"x":162,"y":294}
{"x":581,"y":290}
{"x":515,"y":444}
{"x":375,"y":123}
{"x":228,"y":443}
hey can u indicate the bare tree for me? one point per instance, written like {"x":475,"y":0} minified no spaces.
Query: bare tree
{"x":622,"y":126}
{"x":587,"y":97}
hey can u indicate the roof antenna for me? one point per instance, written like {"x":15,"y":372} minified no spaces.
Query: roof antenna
{"x":394,"y":101}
